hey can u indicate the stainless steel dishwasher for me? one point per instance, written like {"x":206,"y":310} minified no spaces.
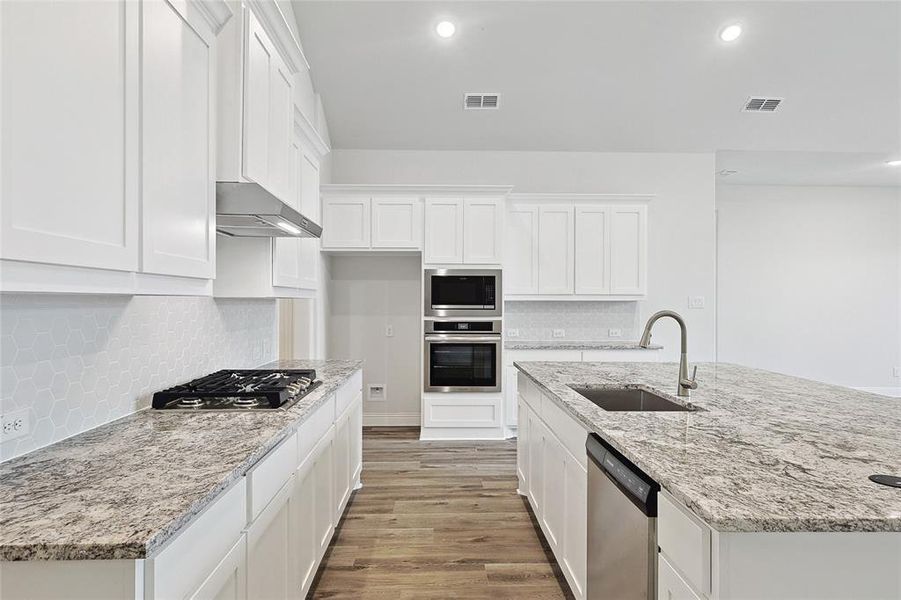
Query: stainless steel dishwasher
{"x":622,"y":526}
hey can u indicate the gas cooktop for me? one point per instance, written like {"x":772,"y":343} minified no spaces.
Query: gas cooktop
{"x":251,"y":389}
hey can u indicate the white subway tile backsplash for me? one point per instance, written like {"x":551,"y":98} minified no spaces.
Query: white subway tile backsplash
{"x":581,"y":321}
{"x":80,"y":361}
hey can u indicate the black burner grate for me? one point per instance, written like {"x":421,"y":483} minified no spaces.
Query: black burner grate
{"x":248,"y":388}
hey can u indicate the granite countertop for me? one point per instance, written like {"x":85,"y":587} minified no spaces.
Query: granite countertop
{"x":122,"y":490}
{"x":517,"y":344}
{"x":768,"y":452}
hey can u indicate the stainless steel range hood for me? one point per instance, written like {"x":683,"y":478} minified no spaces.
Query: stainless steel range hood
{"x":249,"y":210}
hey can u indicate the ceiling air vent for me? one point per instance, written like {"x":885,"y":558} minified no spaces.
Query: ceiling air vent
{"x":481,"y":101}
{"x":762,"y":104}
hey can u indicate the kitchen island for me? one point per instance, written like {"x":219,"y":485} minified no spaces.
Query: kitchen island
{"x":146,"y":506}
{"x":768,"y":478}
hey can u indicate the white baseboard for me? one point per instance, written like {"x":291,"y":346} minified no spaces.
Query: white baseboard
{"x":892,"y":392}
{"x":405,"y":419}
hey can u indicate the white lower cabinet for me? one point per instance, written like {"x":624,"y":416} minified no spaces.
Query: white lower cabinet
{"x":670,"y":586}
{"x":342,"y":462}
{"x":268,"y":566}
{"x":554,"y":480}
{"x":323,"y":477}
{"x":228,"y":581}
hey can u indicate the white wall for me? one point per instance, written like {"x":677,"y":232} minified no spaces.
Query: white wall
{"x":810,"y":281}
{"x":367,"y":294}
{"x":681,"y":218}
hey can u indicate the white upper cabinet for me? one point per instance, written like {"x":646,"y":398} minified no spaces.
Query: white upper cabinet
{"x":309,"y":206}
{"x":258,"y":67}
{"x":521,"y":255}
{"x":555,"y":249}
{"x":345,"y":222}
{"x":177,"y":192}
{"x":576,"y":246}
{"x":628,"y":249}
{"x":396,"y":222}
{"x":443,"y":230}
{"x":131,"y":201}
{"x":592,"y":254}
{"x":70,"y":161}
{"x":483,"y":230}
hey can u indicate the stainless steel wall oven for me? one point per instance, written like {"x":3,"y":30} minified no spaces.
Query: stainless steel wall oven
{"x":463,"y":356}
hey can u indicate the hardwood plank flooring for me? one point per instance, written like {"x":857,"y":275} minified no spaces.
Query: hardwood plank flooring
{"x":437,"y":520}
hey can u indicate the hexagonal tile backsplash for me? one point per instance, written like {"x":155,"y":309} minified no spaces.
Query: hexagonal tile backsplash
{"x":582,"y":321}
{"x":77,"y":362}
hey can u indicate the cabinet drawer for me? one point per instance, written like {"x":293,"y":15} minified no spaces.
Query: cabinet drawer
{"x":268,"y":476}
{"x":685,"y":541}
{"x":181,"y":566}
{"x":314,"y":428}
{"x":569,"y":431}
{"x":348,"y":392}
{"x":528,"y":392}
{"x":670,"y":586}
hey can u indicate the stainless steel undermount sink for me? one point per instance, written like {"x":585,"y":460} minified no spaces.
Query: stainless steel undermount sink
{"x":631,"y":399}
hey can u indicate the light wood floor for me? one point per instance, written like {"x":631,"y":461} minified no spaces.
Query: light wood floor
{"x":437,"y":520}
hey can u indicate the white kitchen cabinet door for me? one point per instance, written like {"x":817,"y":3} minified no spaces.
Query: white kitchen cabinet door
{"x":396,"y":222}
{"x":443,"y":231}
{"x":345,"y":222}
{"x":229,"y":579}
{"x":309,"y":206}
{"x":286,"y":252}
{"x":522,"y":446}
{"x":537,"y":433}
{"x":342,"y":466}
{"x":553,"y":482}
{"x":323,"y":483}
{"x":70,"y":154}
{"x":281,"y":129}
{"x":302,"y":537}
{"x":575,"y":537}
{"x":511,"y":401}
{"x":670,"y":585}
{"x":483,"y":231}
{"x":268,"y":551}
{"x":628,"y":249}
{"x":592,"y":249}
{"x":356,"y":440}
{"x":555,"y":249}
{"x":259,"y":56}
{"x":178,"y":213}
{"x":521,"y":254}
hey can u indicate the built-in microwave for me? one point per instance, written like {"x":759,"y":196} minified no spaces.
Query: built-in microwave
{"x":463,"y":293}
{"x":463,"y":356}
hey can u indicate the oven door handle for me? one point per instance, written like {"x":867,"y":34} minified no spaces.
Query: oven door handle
{"x":496,"y":339}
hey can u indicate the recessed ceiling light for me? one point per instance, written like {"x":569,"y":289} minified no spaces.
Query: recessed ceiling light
{"x":730,"y":33}
{"x":445,"y":29}
{"x":893,"y":163}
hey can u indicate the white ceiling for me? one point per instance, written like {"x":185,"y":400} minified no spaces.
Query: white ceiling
{"x":608,"y":76}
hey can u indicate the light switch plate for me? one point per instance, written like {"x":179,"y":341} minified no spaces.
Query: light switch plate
{"x":696,"y":302}
{"x":558,"y":333}
{"x":14,"y":425}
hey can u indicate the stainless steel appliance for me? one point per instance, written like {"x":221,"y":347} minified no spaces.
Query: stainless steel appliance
{"x":463,"y":293}
{"x":250,"y":389}
{"x":463,"y":356}
{"x":622,"y":526}
{"x":249,"y":210}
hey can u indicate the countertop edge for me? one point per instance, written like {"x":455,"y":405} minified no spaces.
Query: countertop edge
{"x":731,"y":525}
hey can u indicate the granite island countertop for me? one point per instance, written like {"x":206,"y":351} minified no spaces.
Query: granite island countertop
{"x":517,"y":344}
{"x":767,"y":452}
{"x":122,"y":490}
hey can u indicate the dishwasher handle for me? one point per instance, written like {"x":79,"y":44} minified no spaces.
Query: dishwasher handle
{"x":631,"y":481}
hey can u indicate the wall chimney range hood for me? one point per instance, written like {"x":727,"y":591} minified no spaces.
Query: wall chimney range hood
{"x":249,"y":210}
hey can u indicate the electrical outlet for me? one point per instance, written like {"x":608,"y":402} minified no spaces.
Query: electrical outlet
{"x":376,"y":392}
{"x":696,"y":302}
{"x":558,"y":333}
{"x":389,"y":330}
{"x":513,"y":333}
{"x":14,"y":425}
{"x":896,"y":372}
{"x":615,"y":332}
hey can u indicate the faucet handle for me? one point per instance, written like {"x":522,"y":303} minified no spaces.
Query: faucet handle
{"x":691,"y":383}
{"x":694,"y":373}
